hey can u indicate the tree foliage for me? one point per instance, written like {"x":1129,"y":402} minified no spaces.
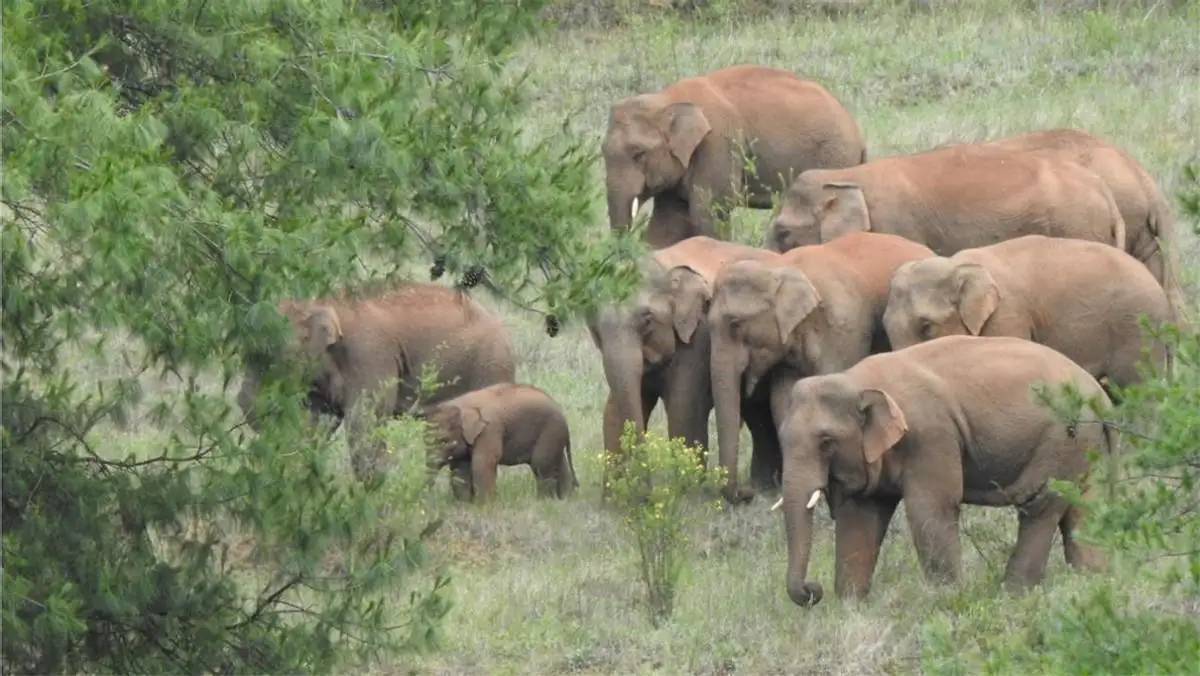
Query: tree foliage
{"x":171,"y":169}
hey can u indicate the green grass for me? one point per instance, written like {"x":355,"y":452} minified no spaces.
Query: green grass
{"x":550,"y":587}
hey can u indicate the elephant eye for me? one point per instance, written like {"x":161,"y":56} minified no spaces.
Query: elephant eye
{"x":734,"y":323}
{"x":926,"y":329}
{"x":638,"y":154}
{"x":827,"y":445}
{"x":645,"y":321}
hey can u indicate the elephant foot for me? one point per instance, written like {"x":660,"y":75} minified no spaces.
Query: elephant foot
{"x":806,"y":595}
{"x":738,"y":495}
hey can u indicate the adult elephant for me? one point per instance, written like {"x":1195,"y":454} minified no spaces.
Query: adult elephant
{"x":815,"y":309}
{"x":937,"y":425}
{"x":950,"y":198}
{"x":356,"y":345}
{"x":656,"y":345}
{"x":687,"y":147}
{"x":1084,"y":299}
{"x":1150,"y":233}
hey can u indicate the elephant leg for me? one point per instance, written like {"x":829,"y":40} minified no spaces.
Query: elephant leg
{"x":1035,"y":535}
{"x":548,"y":462}
{"x":933,"y":522}
{"x":461,"y":484}
{"x":613,"y":425}
{"x":485,"y":461}
{"x":860,"y":526}
{"x":670,"y":222}
{"x":766,"y":454}
{"x":1079,"y":555}
{"x":688,"y":401}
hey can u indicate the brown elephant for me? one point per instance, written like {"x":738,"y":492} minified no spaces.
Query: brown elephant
{"x":358,"y":345}
{"x":656,"y":346}
{"x":1149,"y":224}
{"x":949,"y":199}
{"x":502,"y":424}
{"x":815,"y":309}
{"x":938,"y":425}
{"x":687,"y":147}
{"x":1084,"y":299}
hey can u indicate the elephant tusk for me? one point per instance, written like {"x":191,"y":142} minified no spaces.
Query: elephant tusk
{"x":816,"y":497}
{"x":634,"y":211}
{"x":777,"y":505}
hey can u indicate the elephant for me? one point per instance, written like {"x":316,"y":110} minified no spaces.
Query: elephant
{"x":656,"y":345}
{"x":1081,"y":298}
{"x":938,"y":424}
{"x":949,"y":198}
{"x":815,"y":309}
{"x":687,"y":146}
{"x":1150,"y":233}
{"x":357,"y":344}
{"x":501,"y":424}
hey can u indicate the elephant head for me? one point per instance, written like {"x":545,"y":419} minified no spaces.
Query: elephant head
{"x":316,"y":332}
{"x":816,"y":211}
{"x":834,"y":440}
{"x":453,"y":431}
{"x":644,"y":332}
{"x":647,"y":149}
{"x":756,"y":317}
{"x":936,"y":297}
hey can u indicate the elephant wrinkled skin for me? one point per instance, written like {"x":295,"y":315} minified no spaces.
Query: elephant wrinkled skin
{"x":939,"y":424}
{"x":1149,"y":224}
{"x":815,"y":309}
{"x":683,"y":146}
{"x":656,"y":345}
{"x":503,"y":424}
{"x":1084,"y":299}
{"x":357,"y":345}
{"x":949,"y":199}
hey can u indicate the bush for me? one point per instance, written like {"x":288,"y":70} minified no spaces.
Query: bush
{"x":650,"y":489}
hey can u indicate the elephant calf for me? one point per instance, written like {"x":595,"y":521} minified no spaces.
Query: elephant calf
{"x":503,"y":424}
{"x":938,"y":424}
{"x":1081,"y":298}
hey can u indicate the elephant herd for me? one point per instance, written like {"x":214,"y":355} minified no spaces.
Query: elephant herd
{"x":881,"y":344}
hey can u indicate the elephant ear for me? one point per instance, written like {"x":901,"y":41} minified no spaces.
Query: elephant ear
{"x":324,"y":328}
{"x":685,"y":126}
{"x":843,"y":210}
{"x":473,"y":423}
{"x":883,"y":423}
{"x":690,"y":298}
{"x":795,"y":299}
{"x":977,"y":294}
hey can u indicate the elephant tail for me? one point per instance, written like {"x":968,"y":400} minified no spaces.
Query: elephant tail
{"x":863,"y":159}
{"x":571,"y":464}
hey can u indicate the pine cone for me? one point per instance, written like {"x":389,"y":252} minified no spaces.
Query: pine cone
{"x":552,"y":325}
{"x":438,"y":268}
{"x":473,"y":276}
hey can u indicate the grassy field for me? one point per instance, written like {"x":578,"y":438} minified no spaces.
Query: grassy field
{"x":551,"y":587}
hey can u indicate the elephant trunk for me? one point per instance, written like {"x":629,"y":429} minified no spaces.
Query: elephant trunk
{"x":728,"y":362}
{"x":623,"y":194}
{"x":801,"y":492}
{"x":623,"y":368}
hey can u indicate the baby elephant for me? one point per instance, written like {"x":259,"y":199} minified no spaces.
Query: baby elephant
{"x":502,"y":424}
{"x":1081,"y":298}
{"x":949,"y":422}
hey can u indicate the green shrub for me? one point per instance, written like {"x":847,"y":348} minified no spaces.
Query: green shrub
{"x":650,"y":490}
